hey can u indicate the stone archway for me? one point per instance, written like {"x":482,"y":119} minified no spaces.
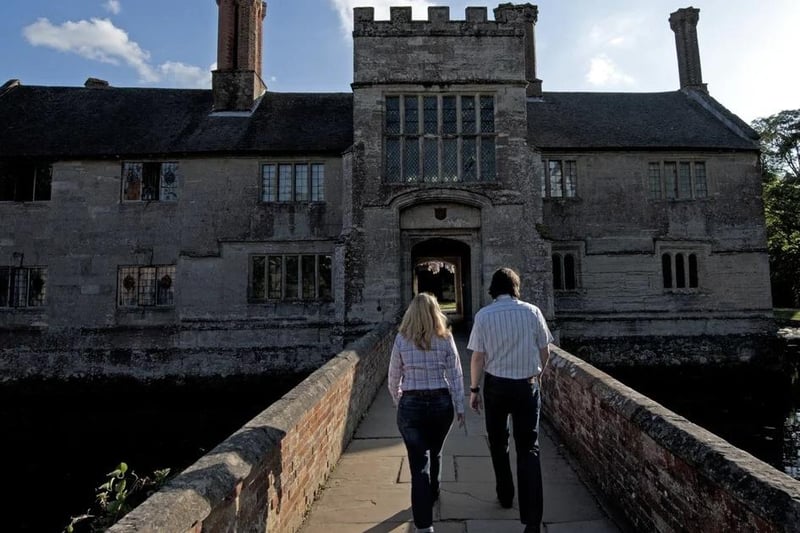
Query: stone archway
{"x":443,"y":267}
{"x":436,"y":234}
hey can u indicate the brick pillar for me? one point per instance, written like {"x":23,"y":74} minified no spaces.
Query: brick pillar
{"x":237,"y":83}
{"x":684,"y":23}
{"x":226,"y":34}
{"x":260,"y":32}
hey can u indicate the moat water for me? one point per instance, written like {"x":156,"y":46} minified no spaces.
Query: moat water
{"x":755,"y":409}
{"x":59,"y":440}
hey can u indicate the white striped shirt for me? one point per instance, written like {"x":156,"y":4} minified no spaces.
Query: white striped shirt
{"x":412,"y":368}
{"x":510,"y":332}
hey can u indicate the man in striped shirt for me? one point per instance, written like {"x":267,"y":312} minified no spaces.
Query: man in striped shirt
{"x":510,"y":349}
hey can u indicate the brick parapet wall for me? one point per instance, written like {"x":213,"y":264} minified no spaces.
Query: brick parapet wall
{"x":660,"y":471}
{"x":265,"y":476}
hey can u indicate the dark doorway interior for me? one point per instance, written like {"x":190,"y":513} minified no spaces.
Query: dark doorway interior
{"x":442,"y":267}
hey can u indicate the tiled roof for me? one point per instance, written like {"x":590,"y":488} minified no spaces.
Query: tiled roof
{"x":670,"y":120}
{"x":68,"y":122}
{"x":78,"y":122}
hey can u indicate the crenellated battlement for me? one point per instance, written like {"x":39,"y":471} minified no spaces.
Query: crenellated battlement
{"x":440,"y":50}
{"x":509,"y":20}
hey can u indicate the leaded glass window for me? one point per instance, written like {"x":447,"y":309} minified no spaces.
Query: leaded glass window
{"x":292,"y":182}
{"x":23,"y":286}
{"x":24,"y":181}
{"x":561,"y":178}
{"x":290,"y":277}
{"x":654,"y":174}
{"x":149,"y":181}
{"x":441,"y":138}
{"x":146,"y":286}
{"x":677,"y":180}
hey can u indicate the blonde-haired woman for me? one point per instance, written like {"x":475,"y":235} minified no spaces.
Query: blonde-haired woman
{"x":427,"y":385}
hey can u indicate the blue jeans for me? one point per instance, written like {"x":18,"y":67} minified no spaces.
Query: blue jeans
{"x":424,"y":420}
{"x":519,"y":399}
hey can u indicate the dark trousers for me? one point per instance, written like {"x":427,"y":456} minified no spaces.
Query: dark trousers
{"x":519,"y":399}
{"x":423,"y":421}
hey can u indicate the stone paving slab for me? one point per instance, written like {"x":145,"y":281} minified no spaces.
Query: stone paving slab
{"x":493,"y":526}
{"x":589,"y":526}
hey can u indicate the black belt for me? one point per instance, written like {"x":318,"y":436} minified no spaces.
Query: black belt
{"x":426,"y":392}
{"x":530,"y":379}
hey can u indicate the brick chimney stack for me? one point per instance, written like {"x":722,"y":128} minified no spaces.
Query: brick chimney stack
{"x":237,"y":82}
{"x":684,"y":23}
{"x":526,"y":15}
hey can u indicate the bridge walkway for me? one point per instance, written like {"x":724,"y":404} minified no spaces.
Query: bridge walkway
{"x":369,"y":490}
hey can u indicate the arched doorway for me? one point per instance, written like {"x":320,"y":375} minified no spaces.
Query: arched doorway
{"x":442,"y":267}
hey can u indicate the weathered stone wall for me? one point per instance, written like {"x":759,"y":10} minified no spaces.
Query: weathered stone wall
{"x":443,"y":56}
{"x":659,"y":470}
{"x":621,"y":234}
{"x":84,"y":233}
{"x":265,"y":476}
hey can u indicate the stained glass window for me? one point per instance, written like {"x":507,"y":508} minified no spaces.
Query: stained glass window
{"x":149,"y":181}
{"x":146,"y":286}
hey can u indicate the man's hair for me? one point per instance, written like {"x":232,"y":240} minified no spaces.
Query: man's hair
{"x":504,"y":281}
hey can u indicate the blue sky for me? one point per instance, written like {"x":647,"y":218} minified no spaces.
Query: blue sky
{"x":747,"y":52}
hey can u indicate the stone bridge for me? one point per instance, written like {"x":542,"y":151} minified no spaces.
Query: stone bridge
{"x":327,"y":458}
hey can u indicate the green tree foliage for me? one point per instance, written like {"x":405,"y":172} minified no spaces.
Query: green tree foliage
{"x":780,"y":141}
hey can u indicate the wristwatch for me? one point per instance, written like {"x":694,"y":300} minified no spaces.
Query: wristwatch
{"x":475,"y":390}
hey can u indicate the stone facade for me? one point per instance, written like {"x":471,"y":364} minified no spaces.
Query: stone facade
{"x":634,"y":220}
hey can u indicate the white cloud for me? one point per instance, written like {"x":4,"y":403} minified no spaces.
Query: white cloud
{"x":100,"y":40}
{"x":113,"y":7}
{"x":96,"y":39}
{"x":188,"y":76}
{"x":344,"y":8}
{"x":603,"y":72}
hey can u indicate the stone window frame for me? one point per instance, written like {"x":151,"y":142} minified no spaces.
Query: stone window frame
{"x":149,"y":181}
{"x":26,"y":181}
{"x":411,"y":133}
{"x":566,"y":267}
{"x":269,"y":278}
{"x":677,"y":179}
{"x":22,"y":287}
{"x":568,"y":168}
{"x":307,"y":187}
{"x":146,"y":286}
{"x":681,"y":267}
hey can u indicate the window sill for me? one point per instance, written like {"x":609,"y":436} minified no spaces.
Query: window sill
{"x":147,"y":308}
{"x":683,"y":291}
{"x":292,"y":203}
{"x":146,"y":203}
{"x":289,"y":302}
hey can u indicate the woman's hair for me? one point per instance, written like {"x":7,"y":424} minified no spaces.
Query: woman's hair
{"x":422,"y":320}
{"x":504,"y":281}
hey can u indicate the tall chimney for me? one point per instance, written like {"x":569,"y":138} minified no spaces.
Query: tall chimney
{"x":684,"y":23}
{"x":237,"y":83}
{"x":526,"y":15}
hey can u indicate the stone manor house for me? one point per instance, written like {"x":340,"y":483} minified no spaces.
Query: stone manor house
{"x":202,"y":232}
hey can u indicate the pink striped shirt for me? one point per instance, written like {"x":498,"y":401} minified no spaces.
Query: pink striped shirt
{"x":411,"y":368}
